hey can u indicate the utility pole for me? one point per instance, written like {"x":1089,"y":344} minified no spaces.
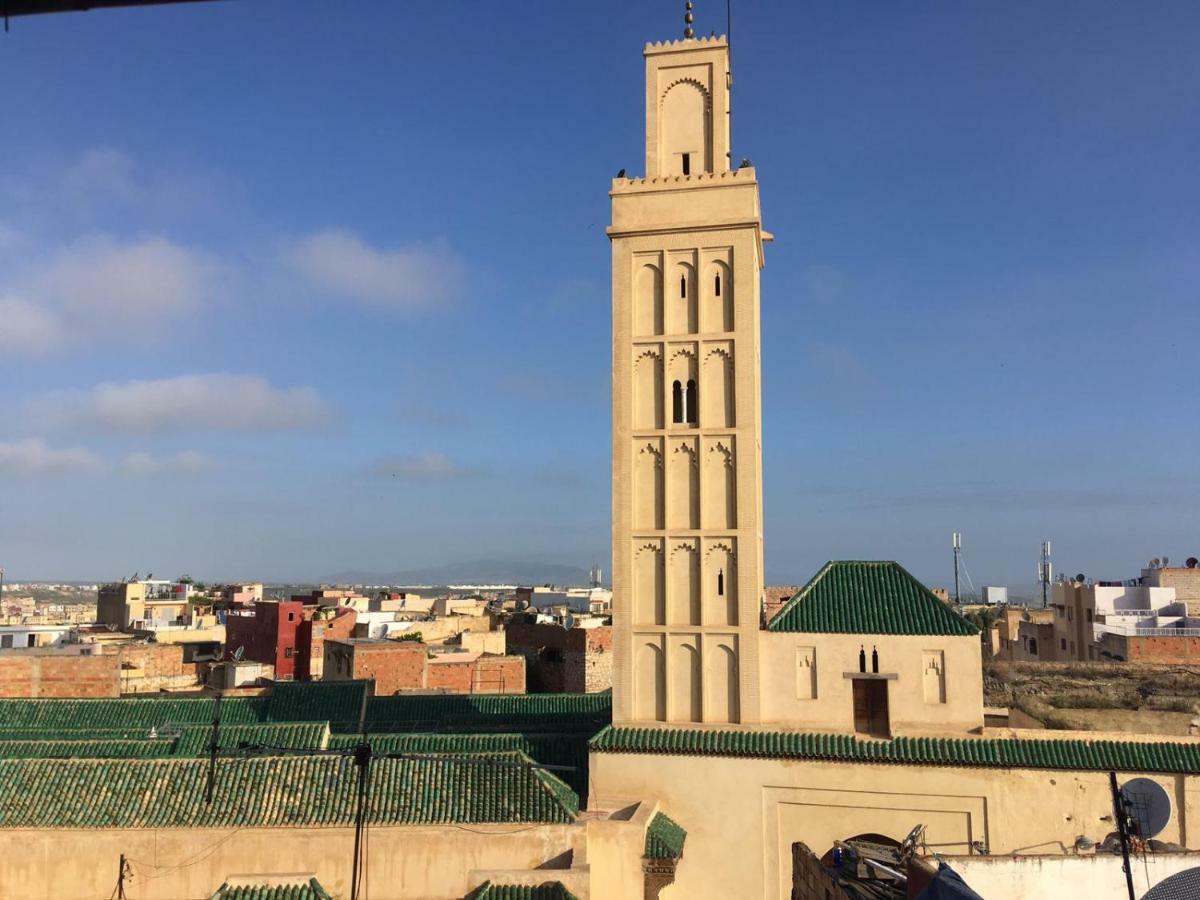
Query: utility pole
{"x":1045,"y":572}
{"x":1122,"y":816}
{"x":956,"y":542}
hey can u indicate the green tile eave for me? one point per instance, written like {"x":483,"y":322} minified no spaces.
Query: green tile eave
{"x":312,"y":890}
{"x":548,"y":890}
{"x":867,"y":597}
{"x":1126,"y":756}
{"x":664,"y":838}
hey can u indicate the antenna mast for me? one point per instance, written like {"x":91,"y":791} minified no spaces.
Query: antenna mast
{"x":956,"y":542}
{"x":1045,"y":572}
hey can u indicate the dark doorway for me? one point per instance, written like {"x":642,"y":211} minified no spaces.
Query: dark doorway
{"x":871,"y":707}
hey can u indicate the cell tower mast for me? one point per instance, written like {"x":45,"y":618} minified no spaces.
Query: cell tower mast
{"x":1045,"y":572}
{"x":956,"y":542}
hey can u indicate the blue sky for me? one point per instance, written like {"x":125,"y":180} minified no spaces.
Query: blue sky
{"x":285,"y":291}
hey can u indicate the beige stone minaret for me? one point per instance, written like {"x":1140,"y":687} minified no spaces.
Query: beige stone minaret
{"x":687,"y":247}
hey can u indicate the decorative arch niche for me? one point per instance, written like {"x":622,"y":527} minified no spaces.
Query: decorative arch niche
{"x":648,"y":301}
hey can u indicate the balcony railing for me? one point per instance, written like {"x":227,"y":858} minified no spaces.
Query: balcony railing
{"x":1145,"y":631}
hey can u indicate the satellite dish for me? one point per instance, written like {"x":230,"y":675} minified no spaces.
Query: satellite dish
{"x":1080,"y":578}
{"x":1154,"y":563}
{"x":1166,"y":562}
{"x":1181,"y":884}
{"x":238,"y":654}
{"x":1192,"y":562}
{"x":1149,"y":806}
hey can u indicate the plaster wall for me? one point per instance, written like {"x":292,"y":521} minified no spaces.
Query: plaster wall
{"x":743,"y":815}
{"x":789,"y":663}
{"x":1096,"y":877}
{"x":430,"y":863}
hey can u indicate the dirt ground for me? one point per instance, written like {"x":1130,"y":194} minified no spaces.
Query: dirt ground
{"x":1125,"y":697}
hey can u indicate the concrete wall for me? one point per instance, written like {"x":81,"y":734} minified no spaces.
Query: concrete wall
{"x":1096,"y":877}
{"x":432,"y":863}
{"x":743,"y":815}
{"x":31,"y":674}
{"x":789,"y":662}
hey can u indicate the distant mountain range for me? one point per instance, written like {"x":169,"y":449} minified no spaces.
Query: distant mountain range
{"x":482,"y":571}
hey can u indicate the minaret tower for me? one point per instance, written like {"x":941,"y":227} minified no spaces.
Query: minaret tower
{"x":687,"y":247}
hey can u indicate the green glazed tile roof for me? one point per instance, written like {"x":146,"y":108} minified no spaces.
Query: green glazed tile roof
{"x":862,"y":597}
{"x":296,"y":735}
{"x":272,"y":792}
{"x":1125,"y":756}
{"x":132,"y":713}
{"x":86,"y":749}
{"x":312,"y":890}
{"x":664,"y":838}
{"x":551,"y":749}
{"x":337,"y":702}
{"x":549,"y":890}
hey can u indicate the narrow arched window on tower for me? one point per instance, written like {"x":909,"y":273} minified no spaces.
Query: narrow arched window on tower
{"x":721,"y":583}
{"x":677,"y":402}
{"x":717,"y":285}
{"x":689,"y":398}
{"x":682,"y":287}
{"x":687,"y":164}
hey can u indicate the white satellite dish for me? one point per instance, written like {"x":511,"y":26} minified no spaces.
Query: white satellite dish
{"x":1149,"y":806}
{"x":238,"y":654}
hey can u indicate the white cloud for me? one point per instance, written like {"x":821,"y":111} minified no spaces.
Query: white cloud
{"x":34,"y":457}
{"x":98,"y":286}
{"x":419,"y":467}
{"x":404,"y":277}
{"x":217,"y":401}
{"x":126,"y":283}
{"x":188,"y":462}
{"x":27,"y":328}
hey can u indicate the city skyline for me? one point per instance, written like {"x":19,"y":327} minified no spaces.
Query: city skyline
{"x":221,"y":355}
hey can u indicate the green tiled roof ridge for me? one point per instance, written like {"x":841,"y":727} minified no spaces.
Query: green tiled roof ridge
{"x":548,"y":890}
{"x":867,"y":597}
{"x":273,"y":792}
{"x":664,"y":838}
{"x":1038,"y":753}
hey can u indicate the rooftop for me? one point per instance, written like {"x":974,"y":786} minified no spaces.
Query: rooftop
{"x":868,"y":597}
{"x":277,"y":791}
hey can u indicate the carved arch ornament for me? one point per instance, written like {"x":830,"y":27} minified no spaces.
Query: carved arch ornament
{"x":653,"y":451}
{"x":694,"y":82}
{"x":689,"y":450}
{"x":726,"y":453}
{"x":722,"y":547}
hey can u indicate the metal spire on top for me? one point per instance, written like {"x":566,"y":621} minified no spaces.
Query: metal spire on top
{"x":687,"y":21}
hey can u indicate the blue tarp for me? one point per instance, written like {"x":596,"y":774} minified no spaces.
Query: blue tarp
{"x":947,"y":885}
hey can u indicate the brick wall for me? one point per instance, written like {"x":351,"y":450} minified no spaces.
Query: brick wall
{"x":311,"y":636}
{"x":483,"y":675}
{"x":57,"y":676}
{"x":1145,"y":648}
{"x":573,"y":660}
{"x":395,"y":666}
{"x":153,"y":660}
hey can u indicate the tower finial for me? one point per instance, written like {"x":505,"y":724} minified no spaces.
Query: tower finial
{"x":687,"y":21}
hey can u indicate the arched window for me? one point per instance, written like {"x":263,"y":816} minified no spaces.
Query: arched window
{"x":717,"y":285}
{"x":677,"y":402}
{"x":690,"y":404}
{"x":682,"y":287}
{"x":721,"y":583}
